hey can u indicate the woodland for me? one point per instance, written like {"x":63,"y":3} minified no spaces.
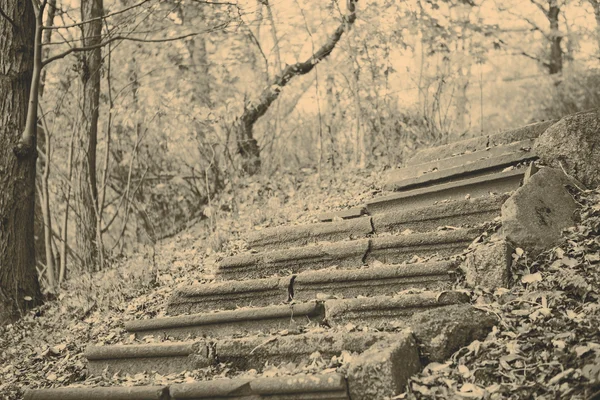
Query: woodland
{"x":125,"y":122}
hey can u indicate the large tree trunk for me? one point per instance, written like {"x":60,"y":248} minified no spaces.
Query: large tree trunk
{"x":19,"y":287}
{"x":247,"y":145}
{"x":555,"y":66}
{"x":86,"y":190}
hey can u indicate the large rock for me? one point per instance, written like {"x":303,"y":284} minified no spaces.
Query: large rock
{"x":444,"y":330}
{"x":534,"y":217}
{"x":574,"y":143}
{"x":384,"y":369}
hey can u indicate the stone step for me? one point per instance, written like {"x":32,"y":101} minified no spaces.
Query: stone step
{"x":301,"y":235}
{"x":231,"y":323}
{"x":347,"y":254}
{"x":240,"y":354}
{"x":379,"y":310}
{"x":462,"y":170}
{"x":306,"y":286}
{"x":479,"y":143}
{"x":481,"y":186}
{"x":349,"y":213}
{"x":100,"y":393}
{"x":331,"y":386}
{"x":400,"y":248}
{"x":416,"y":170}
{"x":293,"y":260}
{"x":378,"y":281}
{"x":456,"y":213}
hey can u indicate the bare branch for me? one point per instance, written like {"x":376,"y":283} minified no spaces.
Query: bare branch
{"x":132,"y":39}
{"x":99,"y":18}
{"x":540,"y":6}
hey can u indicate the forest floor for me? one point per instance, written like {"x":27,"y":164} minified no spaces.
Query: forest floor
{"x":546,"y":345}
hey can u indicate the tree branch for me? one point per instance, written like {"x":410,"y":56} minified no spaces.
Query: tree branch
{"x":98,"y":18}
{"x":132,"y":39}
{"x":540,"y":6}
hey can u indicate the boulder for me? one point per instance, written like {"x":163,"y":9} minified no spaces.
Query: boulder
{"x":488,"y":265}
{"x":573,"y":143}
{"x":535,"y":215}
{"x":444,"y":330}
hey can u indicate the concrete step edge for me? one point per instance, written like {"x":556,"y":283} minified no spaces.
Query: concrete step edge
{"x":346,"y":254}
{"x":414,"y":198}
{"x":420,"y":219}
{"x":344,"y":282}
{"x":414,"y":170}
{"x":333,"y":385}
{"x":265,"y":319}
{"x":531,"y":131}
{"x":464,"y":171}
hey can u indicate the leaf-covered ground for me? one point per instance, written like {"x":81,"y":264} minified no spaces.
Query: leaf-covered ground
{"x":546,"y":345}
{"x":45,"y":348}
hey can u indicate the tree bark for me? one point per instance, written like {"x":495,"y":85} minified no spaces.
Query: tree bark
{"x":86,"y":190}
{"x":596,"y":6}
{"x":555,"y":66}
{"x":247,"y":145}
{"x":19,"y":287}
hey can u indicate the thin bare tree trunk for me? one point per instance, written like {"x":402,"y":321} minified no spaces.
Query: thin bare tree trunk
{"x":19,"y":287}
{"x":62,"y":273}
{"x":85,"y":179}
{"x":555,"y":66}
{"x":247,"y":145}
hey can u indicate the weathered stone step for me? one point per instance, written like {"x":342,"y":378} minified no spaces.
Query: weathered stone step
{"x":352,"y":253}
{"x":401,"y":248}
{"x":369,"y":281}
{"x":242,"y":353}
{"x":100,"y":393}
{"x":461,"y":171}
{"x":298,"y":387}
{"x":453,"y":213}
{"x":300,"y":235}
{"x":481,"y":186}
{"x":293,"y":260}
{"x":349,"y":213}
{"x":231,"y":323}
{"x":373,"y":281}
{"x":531,"y":131}
{"x":416,"y":170}
{"x":463,"y":212}
{"x":379,"y":310}
{"x":330,"y":386}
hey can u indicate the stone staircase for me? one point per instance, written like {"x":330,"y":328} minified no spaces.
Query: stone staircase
{"x":371,"y":290}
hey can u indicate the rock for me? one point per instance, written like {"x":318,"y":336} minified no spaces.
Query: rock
{"x":384,"y":369}
{"x":442,"y":331}
{"x":574,"y":143}
{"x":488,"y":265}
{"x":535,"y":215}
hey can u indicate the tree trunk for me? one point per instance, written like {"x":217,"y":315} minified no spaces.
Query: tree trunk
{"x":555,"y":66}
{"x":19,"y":287}
{"x":596,"y":6}
{"x":247,"y":145}
{"x":86,"y":191}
